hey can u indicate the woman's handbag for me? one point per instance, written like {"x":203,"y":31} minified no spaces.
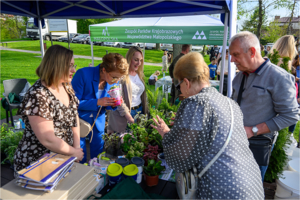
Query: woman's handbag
{"x":86,"y":128}
{"x":187,"y":182}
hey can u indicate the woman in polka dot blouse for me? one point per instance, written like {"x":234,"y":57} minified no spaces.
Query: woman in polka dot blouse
{"x":200,"y":129}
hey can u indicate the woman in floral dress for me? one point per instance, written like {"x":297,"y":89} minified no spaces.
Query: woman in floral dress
{"x":49,"y":111}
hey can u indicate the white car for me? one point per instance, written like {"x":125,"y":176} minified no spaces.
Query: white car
{"x":166,"y":46}
{"x":197,"y":48}
{"x":150,"y":46}
{"x":130,"y":44}
{"x":114,"y":44}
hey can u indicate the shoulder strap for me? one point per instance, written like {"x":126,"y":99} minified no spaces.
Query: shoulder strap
{"x":94,"y":124}
{"x":224,"y":146}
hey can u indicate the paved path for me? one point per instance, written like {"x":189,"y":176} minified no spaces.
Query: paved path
{"x":75,"y":56}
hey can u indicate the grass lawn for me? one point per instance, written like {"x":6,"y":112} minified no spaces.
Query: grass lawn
{"x":23,"y":65}
{"x":152,"y":56}
{"x":20,"y":39}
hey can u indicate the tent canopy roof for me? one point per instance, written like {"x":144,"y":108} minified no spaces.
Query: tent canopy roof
{"x":88,"y":9}
{"x":195,"y":20}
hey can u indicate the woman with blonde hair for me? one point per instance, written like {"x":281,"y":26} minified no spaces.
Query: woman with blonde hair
{"x":153,"y":78}
{"x":49,"y":111}
{"x":200,"y":130}
{"x":91,"y":85}
{"x":286,"y":48}
{"x":133,"y":91}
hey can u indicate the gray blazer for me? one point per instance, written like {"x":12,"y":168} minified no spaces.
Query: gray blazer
{"x":269,"y":96}
{"x":117,"y":121}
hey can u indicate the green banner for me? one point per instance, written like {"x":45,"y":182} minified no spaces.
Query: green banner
{"x":211,"y":35}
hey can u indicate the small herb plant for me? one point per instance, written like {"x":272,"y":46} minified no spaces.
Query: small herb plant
{"x":151,"y":153}
{"x":9,"y":142}
{"x":111,"y":142}
{"x":153,"y":168}
{"x":136,"y":150}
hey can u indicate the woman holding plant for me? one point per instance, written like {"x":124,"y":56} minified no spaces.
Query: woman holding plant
{"x":49,"y":111}
{"x":91,"y":85}
{"x":133,"y":91}
{"x":200,"y":130}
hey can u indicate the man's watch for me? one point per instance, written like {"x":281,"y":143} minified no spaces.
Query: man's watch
{"x":254,"y":130}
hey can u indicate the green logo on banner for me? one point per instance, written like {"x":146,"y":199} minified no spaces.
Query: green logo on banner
{"x":105,"y":32}
{"x":198,"y":36}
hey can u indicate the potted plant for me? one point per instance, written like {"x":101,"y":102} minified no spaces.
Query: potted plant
{"x":152,"y":171}
{"x":112,"y":143}
{"x":151,"y":153}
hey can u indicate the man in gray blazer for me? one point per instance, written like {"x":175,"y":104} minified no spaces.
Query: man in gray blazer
{"x":265,"y":92}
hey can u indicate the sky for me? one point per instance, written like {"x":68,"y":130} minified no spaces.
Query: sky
{"x":282,"y":12}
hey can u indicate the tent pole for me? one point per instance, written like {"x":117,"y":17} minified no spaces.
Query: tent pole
{"x":232,"y":32}
{"x":40,"y":29}
{"x":92,"y":51}
{"x":223,"y":53}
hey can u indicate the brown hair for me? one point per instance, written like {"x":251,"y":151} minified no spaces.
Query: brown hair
{"x":193,"y":67}
{"x":114,"y":62}
{"x":185,"y":47}
{"x":55,"y":65}
{"x":129,"y":56}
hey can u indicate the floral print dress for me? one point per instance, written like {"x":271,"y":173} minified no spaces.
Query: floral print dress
{"x":39,"y":101}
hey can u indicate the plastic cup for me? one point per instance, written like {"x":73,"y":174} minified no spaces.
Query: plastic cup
{"x":123,"y":162}
{"x":139,"y":162}
{"x":116,"y":93}
{"x":114,"y":172}
{"x":131,"y":171}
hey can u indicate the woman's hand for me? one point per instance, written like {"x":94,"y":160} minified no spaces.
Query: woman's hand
{"x":106,"y":101}
{"x":129,"y":118}
{"x":161,"y":126}
{"x":78,"y":153}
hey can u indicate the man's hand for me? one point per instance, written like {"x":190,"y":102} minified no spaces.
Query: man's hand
{"x":249,"y":131}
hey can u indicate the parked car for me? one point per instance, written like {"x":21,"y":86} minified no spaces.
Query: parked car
{"x":129,"y":44}
{"x":166,"y":46}
{"x":197,"y":48}
{"x":114,"y":44}
{"x":150,"y":46}
{"x":83,"y":39}
{"x":65,"y":37}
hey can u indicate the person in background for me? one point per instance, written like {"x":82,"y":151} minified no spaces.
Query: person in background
{"x":91,"y":85}
{"x":268,"y":50}
{"x":286,"y":48}
{"x":153,"y":78}
{"x":214,"y":51}
{"x":213,"y":68}
{"x":201,"y":128}
{"x":265,"y":92}
{"x":165,"y":59}
{"x":264,"y":52}
{"x":175,"y":93}
{"x":225,"y":73}
{"x":296,"y":65}
{"x":134,"y":93}
{"x":49,"y":111}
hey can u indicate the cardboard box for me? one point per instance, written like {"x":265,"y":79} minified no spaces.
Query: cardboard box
{"x":74,"y":185}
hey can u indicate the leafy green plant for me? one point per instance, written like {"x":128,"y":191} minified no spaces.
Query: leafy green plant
{"x":152,"y":98}
{"x":111,"y":142}
{"x":165,"y":106}
{"x":153,"y":168}
{"x":274,"y":57}
{"x":128,"y":141}
{"x":136,"y":150}
{"x":9,"y":142}
{"x":285,"y":64}
{"x":278,"y":157}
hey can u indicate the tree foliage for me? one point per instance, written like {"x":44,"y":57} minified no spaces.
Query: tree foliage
{"x":252,"y":24}
{"x":273,"y":32}
{"x":12,"y":26}
{"x":83,"y":24}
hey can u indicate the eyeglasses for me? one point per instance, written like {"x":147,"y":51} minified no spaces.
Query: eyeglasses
{"x":178,"y":86}
{"x":73,"y":66}
{"x":116,"y":78}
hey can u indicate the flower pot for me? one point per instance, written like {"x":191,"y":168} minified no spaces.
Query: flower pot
{"x":151,"y":180}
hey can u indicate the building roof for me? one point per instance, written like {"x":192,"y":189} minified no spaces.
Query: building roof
{"x":287,"y":19}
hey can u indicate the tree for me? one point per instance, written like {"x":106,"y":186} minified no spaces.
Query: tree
{"x":289,"y":28}
{"x":83,"y":24}
{"x":12,"y":26}
{"x":263,"y":6}
{"x":252,"y":24}
{"x":273,"y":32}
